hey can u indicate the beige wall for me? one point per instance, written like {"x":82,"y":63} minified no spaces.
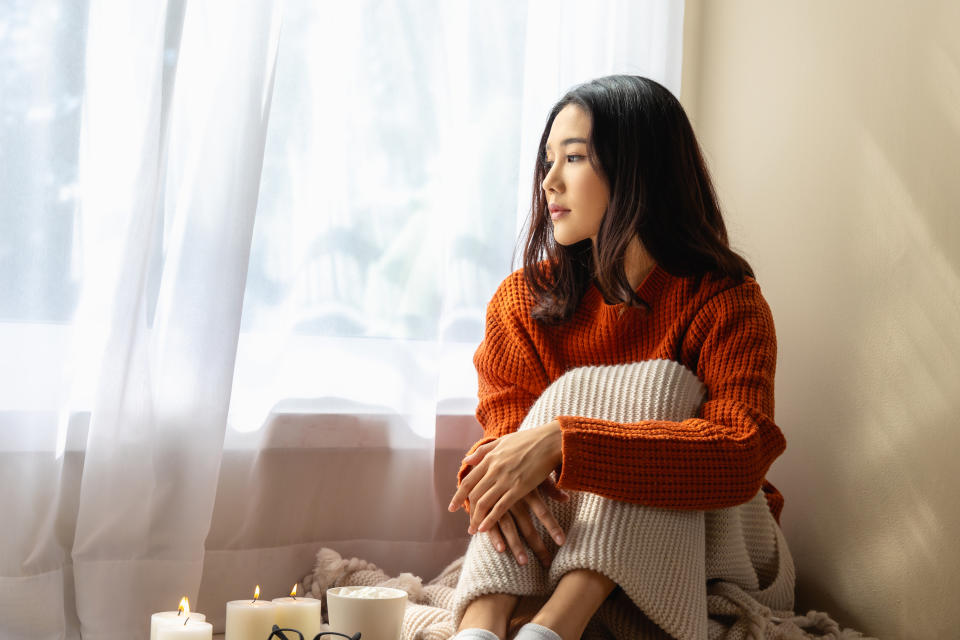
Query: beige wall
{"x":833,"y":133}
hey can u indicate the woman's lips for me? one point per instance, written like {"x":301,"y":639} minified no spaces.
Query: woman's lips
{"x":556,"y":214}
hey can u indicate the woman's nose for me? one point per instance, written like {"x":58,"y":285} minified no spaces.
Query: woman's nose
{"x":550,"y":181}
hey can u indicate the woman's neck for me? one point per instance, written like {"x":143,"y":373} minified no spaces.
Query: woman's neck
{"x":639,"y":263}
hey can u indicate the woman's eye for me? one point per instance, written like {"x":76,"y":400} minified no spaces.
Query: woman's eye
{"x":573,"y":157}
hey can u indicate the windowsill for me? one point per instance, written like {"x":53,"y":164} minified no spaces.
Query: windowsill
{"x":361,"y":429}
{"x":453,"y":430}
{"x":377,"y":392}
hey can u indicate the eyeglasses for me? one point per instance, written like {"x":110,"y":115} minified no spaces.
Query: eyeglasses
{"x":280,"y":635}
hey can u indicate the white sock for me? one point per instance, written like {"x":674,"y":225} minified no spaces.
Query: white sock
{"x":533,"y":631}
{"x":475,"y":634}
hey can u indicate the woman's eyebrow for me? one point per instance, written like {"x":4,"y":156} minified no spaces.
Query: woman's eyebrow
{"x":569,"y":141}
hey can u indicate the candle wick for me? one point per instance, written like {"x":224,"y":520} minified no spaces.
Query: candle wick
{"x":186,"y":621}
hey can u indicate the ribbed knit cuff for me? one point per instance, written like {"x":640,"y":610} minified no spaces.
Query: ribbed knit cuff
{"x":533,"y":631}
{"x":476,"y":634}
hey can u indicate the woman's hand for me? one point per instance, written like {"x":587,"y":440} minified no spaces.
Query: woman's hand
{"x":506,"y":470}
{"x":518,"y":523}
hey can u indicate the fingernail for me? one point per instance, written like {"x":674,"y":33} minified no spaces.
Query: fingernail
{"x":471,"y":530}
{"x":499,"y":547}
{"x":451,"y":507}
{"x":522,"y":559}
{"x":558,"y":538}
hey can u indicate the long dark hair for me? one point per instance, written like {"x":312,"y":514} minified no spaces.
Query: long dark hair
{"x":660,"y":191}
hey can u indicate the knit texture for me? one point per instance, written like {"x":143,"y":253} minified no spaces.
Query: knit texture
{"x":719,"y":329}
{"x":428,"y":615}
{"x":660,"y":558}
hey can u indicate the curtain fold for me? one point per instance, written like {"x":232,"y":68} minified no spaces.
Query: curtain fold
{"x":157,"y":422}
{"x":169,"y":187}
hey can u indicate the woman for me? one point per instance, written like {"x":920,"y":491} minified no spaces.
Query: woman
{"x":626,"y":261}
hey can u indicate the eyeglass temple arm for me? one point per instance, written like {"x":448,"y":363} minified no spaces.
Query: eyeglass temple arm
{"x":279,"y":633}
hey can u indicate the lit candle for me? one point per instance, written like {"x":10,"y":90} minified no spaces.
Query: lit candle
{"x":162,"y":616}
{"x":188,"y":629}
{"x":302,"y":614}
{"x":248,"y":620}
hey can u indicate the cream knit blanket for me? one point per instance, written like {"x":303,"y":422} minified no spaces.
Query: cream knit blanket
{"x":681,"y":574}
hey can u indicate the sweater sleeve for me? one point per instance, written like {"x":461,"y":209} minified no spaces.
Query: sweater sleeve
{"x":509,"y":372}
{"x":716,"y":460}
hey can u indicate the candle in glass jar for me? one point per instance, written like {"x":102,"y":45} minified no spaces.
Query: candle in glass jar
{"x":302,"y":614}
{"x":250,"y":620}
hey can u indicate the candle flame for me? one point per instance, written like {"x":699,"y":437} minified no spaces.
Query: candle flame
{"x":256,"y":593}
{"x":184,"y":604}
{"x":293,"y":592}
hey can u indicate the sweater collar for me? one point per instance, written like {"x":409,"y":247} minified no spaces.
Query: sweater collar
{"x":651,"y":287}
{"x":649,"y":290}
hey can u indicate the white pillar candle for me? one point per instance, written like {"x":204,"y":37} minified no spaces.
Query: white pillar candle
{"x":191,"y":629}
{"x":161,"y":616}
{"x":302,"y":614}
{"x":248,"y":620}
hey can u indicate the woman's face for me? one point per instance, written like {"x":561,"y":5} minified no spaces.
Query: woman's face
{"x":577,"y":195}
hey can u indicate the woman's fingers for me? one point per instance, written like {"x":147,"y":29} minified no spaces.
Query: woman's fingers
{"x":498,"y":505}
{"x":496,"y":539}
{"x":509,"y":530}
{"x":485,"y":498}
{"x":545,"y":517}
{"x":473,"y":485}
{"x":464,"y":489}
{"x":479,"y":453}
{"x":473,"y":476}
{"x":521,"y":515}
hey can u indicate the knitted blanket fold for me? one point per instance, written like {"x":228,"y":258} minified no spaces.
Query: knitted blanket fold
{"x":681,"y":574}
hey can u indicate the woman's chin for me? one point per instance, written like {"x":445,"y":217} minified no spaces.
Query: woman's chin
{"x":564,"y":239}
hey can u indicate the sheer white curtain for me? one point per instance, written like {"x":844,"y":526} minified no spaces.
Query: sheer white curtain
{"x":166,"y":184}
{"x":386,"y":150}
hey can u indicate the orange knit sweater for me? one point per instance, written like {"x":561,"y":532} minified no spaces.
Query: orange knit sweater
{"x":719,"y":329}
